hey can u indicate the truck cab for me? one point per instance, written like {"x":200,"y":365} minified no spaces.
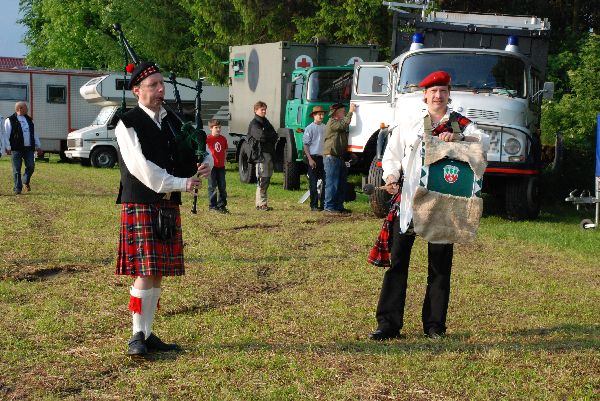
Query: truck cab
{"x":501,"y":90}
{"x":96,"y":144}
{"x":310,"y":87}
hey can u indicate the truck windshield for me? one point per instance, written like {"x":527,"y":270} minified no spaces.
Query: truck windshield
{"x":104,"y":116}
{"x":474,"y":72}
{"x":329,"y":86}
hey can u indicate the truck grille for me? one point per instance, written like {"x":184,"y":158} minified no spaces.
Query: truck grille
{"x":477,"y":114}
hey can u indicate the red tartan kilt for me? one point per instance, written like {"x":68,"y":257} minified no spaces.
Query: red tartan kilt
{"x":140,"y":252}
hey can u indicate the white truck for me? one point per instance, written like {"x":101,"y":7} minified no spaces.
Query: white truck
{"x":53,"y":99}
{"x":496,"y":81}
{"x":96,"y":144}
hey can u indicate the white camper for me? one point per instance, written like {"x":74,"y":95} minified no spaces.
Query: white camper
{"x":53,"y":99}
{"x":96,"y":144}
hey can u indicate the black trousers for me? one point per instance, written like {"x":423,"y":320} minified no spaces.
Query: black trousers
{"x":314,"y":174}
{"x":390,"y":309}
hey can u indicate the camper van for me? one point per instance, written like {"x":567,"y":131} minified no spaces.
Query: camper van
{"x":53,"y":99}
{"x":96,"y":144}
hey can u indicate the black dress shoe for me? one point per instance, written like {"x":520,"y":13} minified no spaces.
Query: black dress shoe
{"x":380,"y":335}
{"x":434,"y":334}
{"x":153,"y":343}
{"x":137,"y":345}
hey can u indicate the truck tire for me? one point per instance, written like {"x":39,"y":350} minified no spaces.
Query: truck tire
{"x":291,"y":169}
{"x":523,"y":198}
{"x":380,"y":199}
{"x":103,"y":157}
{"x":246,"y":169}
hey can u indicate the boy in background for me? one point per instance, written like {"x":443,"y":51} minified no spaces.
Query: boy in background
{"x":217,"y":144}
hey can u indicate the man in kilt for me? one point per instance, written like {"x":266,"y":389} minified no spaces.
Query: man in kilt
{"x":154,"y":170}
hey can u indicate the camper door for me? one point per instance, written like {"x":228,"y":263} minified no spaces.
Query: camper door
{"x":372,"y":93}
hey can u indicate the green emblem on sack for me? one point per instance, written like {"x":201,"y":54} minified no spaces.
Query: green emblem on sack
{"x":451,"y":173}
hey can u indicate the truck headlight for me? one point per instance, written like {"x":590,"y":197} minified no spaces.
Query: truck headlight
{"x":512,"y":146}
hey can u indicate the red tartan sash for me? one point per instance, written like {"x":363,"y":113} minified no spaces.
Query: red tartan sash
{"x":447,"y":125}
{"x":380,"y":253}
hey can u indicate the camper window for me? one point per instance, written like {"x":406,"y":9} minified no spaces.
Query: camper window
{"x":121,"y":83}
{"x":56,"y":94}
{"x":13,"y":92}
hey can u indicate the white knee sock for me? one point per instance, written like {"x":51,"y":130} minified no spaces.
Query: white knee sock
{"x":152,"y":306}
{"x":139,"y":301}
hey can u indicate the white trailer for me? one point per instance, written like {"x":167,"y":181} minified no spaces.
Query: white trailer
{"x":96,"y":144}
{"x":53,"y":99}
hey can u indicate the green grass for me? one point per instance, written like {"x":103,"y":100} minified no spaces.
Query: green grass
{"x":276,"y":306}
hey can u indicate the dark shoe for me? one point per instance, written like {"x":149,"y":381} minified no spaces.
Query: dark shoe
{"x":153,"y":343}
{"x":434,"y":334}
{"x":264,"y":208}
{"x":224,"y":210}
{"x":346,"y":211}
{"x":331,"y":211}
{"x":381,"y":335}
{"x":137,"y":345}
{"x":213,"y":209}
{"x":27,"y":187}
{"x":17,"y":192}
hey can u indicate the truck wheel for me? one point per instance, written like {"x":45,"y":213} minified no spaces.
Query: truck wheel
{"x":291,"y":170}
{"x":103,"y":158}
{"x":380,"y":199}
{"x":523,"y":198}
{"x":245,"y":167}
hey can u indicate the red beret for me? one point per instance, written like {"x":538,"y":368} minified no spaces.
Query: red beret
{"x":436,"y":78}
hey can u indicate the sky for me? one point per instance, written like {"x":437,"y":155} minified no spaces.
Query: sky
{"x":11,"y":33}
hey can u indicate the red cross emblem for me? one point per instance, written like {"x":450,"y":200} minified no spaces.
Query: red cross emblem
{"x":303,"y":62}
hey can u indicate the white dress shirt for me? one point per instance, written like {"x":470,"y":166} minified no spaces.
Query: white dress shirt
{"x":397,"y":155}
{"x":154,"y":177}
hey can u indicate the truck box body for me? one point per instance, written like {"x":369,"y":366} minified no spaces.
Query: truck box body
{"x":261,"y":72}
{"x":477,"y":31}
{"x":53,"y":99}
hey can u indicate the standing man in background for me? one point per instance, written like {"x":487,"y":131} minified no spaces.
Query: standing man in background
{"x":261,"y":129}
{"x":334,"y":150}
{"x":312,"y":142}
{"x":21,"y":141}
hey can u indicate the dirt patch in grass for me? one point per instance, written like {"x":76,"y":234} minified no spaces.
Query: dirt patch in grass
{"x":41,"y":271}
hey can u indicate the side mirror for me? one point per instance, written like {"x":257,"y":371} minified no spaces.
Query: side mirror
{"x":548,"y":90}
{"x":289,"y":91}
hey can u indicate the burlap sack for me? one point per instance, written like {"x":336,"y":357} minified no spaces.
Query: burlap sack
{"x":442,"y":218}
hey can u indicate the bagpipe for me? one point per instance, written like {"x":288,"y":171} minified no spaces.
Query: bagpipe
{"x":189,"y":138}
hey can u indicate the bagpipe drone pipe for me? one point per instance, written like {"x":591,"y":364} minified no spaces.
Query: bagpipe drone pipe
{"x":190,"y":139}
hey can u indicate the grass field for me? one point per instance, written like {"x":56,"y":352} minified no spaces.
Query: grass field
{"x":276,"y":306}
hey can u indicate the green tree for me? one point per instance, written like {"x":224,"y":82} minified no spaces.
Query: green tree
{"x":347,"y":21}
{"x":574,"y":114}
{"x":218,"y":24}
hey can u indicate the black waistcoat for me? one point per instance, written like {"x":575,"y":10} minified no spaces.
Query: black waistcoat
{"x":17,"y":140}
{"x":159,"y":145}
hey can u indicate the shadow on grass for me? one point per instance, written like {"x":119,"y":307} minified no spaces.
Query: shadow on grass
{"x":561,"y":338}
